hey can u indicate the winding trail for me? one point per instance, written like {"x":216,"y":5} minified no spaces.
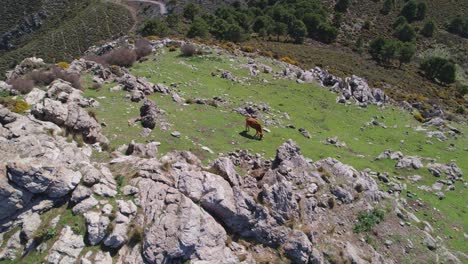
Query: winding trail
{"x":162,"y":6}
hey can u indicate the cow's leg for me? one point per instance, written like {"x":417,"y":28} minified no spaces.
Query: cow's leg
{"x":246,"y":126}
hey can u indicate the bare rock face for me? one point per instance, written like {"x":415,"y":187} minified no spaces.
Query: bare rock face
{"x":67,"y":248}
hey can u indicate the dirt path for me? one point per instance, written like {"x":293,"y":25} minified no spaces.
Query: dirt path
{"x":162,"y":6}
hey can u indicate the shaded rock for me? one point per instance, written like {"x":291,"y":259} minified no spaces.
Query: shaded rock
{"x":96,"y":226}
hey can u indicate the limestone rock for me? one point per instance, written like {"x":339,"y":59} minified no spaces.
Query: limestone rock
{"x":96,"y":226}
{"x":67,"y":248}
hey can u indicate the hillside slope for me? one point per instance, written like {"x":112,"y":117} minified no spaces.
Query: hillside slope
{"x":170,"y":179}
{"x":66,"y":31}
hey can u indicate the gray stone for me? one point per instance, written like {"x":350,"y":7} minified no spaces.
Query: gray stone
{"x":85,"y":205}
{"x":80,"y":193}
{"x":96,"y":227}
{"x":67,"y":248}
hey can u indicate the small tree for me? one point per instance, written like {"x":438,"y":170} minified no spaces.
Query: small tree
{"x":387,"y":7}
{"x":440,"y":69}
{"x":234,"y":33}
{"x":401,"y":20}
{"x":199,"y":28}
{"x":312,"y":22}
{"x":410,"y":10}
{"x":342,"y":6}
{"x":421,"y":11}
{"x":298,"y":31}
{"x":279,"y":29}
{"x":155,"y":27}
{"x":191,"y":10}
{"x":459,"y":26}
{"x":428,"y":29}
{"x":405,"y":33}
{"x":173,"y":20}
{"x":406,"y":53}
{"x":389,"y":51}
{"x":359,"y":45}
{"x":375,"y":48}
{"x":327,"y":33}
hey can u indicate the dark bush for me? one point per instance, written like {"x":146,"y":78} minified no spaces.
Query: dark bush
{"x":405,"y":33}
{"x":42,"y":77}
{"x":342,"y":6}
{"x":142,"y":48}
{"x":428,"y":29}
{"x":98,"y":59}
{"x":73,"y":78}
{"x":121,"y":57}
{"x":155,"y":27}
{"x":459,"y":26}
{"x":188,"y":50}
{"x":439,"y":69}
{"x":24,"y":86}
{"x":46,"y":77}
{"x":199,"y":28}
{"x":387,"y":7}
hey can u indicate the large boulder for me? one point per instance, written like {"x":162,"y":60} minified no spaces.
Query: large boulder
{"x":43,"y":177}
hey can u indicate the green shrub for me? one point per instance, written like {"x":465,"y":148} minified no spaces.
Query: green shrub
{"x":367,"y":220}
{"x":154,"y":27}
{"x":119,"y":179}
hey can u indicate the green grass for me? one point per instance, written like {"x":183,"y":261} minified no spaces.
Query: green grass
{"x":309,"y":106}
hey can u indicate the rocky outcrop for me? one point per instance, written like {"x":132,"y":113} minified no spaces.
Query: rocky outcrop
{"x":72,"y":117}
{"x":351,"y":88}
{"x":132,"y":83}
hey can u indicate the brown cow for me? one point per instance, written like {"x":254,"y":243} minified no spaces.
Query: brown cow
{"x":253,"y":123}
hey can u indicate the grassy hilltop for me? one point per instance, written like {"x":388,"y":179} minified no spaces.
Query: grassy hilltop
{"x":309,"y":107}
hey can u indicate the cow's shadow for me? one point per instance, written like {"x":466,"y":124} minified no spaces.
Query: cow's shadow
{"x":247,"y":135}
